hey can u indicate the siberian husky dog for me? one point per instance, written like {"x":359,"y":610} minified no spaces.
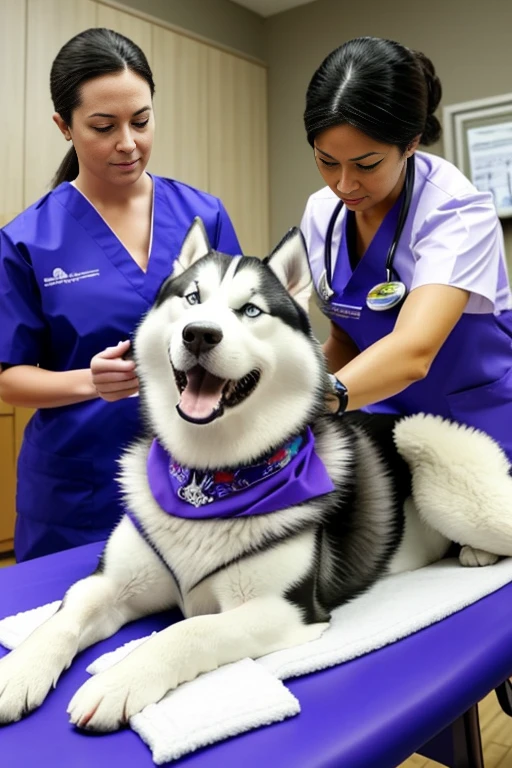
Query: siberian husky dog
{"x":248,"y":505}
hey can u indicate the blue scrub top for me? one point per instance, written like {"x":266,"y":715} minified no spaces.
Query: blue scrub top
{"x":68,"y":289}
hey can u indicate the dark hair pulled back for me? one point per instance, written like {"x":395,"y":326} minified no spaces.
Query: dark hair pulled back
{"x":378,"y":86}
{"x":90,"y":54}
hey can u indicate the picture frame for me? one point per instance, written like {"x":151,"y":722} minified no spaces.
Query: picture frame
{"x":478,"y":140}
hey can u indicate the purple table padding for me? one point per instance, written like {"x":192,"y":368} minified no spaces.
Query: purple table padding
{"x":373,"y":711}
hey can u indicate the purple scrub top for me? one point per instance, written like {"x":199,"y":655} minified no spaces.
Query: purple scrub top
{"x":68,"y":289}
{"x":452,"y":236}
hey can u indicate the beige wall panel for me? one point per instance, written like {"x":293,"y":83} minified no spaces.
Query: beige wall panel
{"x":219,"y":21}
{"x":51,"y":23}
{"x":130,"y":26}
{"x":5,"y":409}
{"x":12,"y":81}
{"x":7,"y":482}
{"x":237,"y":162}
{"x":5,"y":218}
{"x":180,"y":68}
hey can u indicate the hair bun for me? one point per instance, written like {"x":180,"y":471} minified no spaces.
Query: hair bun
{"x":435,"y":90}
{"x":433,"y":130}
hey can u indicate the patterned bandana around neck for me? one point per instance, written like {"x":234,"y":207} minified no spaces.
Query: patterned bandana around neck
{"x":293,"y":474}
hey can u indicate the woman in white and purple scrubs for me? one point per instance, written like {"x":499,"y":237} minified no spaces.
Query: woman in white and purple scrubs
{"x":428,"y":326}
{"x":78,"y":269}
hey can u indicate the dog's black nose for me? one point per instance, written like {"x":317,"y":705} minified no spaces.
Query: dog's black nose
{"x":200,"y":337}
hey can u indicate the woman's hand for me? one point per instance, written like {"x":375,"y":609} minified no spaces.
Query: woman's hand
{"x":113,"y":377}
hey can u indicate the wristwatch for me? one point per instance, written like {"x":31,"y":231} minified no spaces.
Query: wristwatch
{"x":341,"y":393}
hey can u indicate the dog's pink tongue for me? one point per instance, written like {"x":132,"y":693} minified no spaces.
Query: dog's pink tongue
{"x":202,"y":394}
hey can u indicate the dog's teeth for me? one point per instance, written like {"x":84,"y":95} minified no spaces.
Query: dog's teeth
{"x":229,"y":390}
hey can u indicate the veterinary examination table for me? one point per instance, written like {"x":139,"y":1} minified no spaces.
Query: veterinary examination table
{"x":372,"y":712}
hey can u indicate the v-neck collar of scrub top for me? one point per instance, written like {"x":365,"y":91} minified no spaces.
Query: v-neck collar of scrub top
{"x":351,"y":286}
{"x":165,"y":243}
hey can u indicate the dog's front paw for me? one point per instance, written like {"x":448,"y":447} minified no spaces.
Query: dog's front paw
{"x":27,"y":674}
{"x":108,"y":700}
{"x":474,"y":558}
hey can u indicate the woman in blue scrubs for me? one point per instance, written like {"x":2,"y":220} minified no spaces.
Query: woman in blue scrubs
{"x":445,"y":347}
{"x":78,"y":269}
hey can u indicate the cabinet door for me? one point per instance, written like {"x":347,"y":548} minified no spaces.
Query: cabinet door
{"x":7,"y":482}
{"x":12,"y":80}
{"x":237,"y":145}
{"x":180,"y":68}
{"x":50,"y":24}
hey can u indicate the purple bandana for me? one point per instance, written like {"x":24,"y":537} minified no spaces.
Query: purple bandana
{"x":293,"y":474}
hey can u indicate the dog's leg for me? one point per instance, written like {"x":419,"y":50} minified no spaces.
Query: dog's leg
{"x":461,"y":485}
{"x":133,"y":582}
{"x":182,"y":652}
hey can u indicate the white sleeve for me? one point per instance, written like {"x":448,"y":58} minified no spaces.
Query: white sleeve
{"x":460,"y":244}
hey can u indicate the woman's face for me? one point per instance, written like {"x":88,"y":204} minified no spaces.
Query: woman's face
{"x":364,"y":173}
{"x":112,"y":129}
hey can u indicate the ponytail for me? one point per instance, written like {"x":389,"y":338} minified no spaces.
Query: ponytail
{"x":68,"y":169}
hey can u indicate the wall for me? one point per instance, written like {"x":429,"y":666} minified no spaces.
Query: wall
{"x":220,"y":21}
{"x":210,"y":107}
{"x":470,"y":45}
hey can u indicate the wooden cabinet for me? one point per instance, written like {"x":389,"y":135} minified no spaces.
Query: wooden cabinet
{"x":12,"y":425}
{"x":7,"y":479}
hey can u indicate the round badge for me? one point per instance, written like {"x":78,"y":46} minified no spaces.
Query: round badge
{"x":385,"y":296}
{"x":324,"y":289}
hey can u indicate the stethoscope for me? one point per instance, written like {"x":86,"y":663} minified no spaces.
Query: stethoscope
{"x":383,"y":295}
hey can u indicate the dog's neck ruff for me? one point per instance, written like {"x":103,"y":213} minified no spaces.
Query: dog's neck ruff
{"x":291,"y":475}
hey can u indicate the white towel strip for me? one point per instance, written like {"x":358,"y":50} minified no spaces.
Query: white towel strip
{"x":395,"y":607}
{"x":15,"y":629}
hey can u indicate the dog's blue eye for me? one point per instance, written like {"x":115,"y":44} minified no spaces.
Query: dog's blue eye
{"x":251,"y":310}
{"x":193,"y":298}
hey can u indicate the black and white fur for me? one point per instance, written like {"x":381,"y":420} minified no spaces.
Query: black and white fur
{"x":404,"y":489}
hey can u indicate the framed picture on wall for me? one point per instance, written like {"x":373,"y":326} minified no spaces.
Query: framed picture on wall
{"x":478,"y":140}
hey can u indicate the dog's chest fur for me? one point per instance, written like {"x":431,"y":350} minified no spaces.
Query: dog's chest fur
{"x":318,"y":554}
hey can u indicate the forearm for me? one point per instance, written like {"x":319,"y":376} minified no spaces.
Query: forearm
{"x":396,"y":361}
{"x":339,"y":351}
{"x":386,"y":368}
{"x":32,"y":387}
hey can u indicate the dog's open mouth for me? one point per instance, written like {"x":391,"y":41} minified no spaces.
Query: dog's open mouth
{"x":203,"y":396}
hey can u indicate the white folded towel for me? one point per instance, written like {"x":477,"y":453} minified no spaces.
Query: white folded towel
{"x":230,"y":700}
{"x":393,"y":608}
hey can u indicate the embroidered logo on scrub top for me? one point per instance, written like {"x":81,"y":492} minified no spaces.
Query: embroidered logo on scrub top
{"x":335,"y":309}
{"x":59,"y":276}
{"x":346,"y":311}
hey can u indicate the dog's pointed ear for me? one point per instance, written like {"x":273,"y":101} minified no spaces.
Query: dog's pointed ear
{"x":289,"y":262}
{"x":195,"y":245}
